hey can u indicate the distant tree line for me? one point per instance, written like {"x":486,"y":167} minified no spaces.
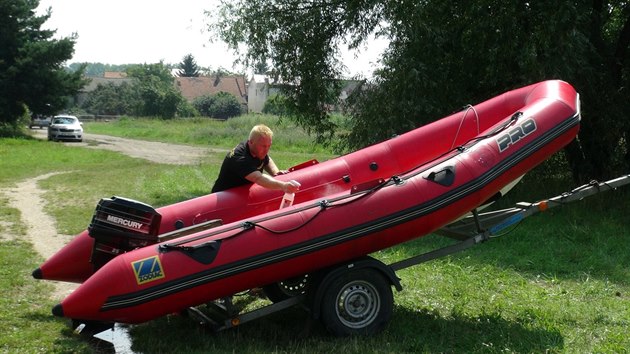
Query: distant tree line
{"x":97,"y":69}
{"x":152,"y":93}
{"x":186,"y":68}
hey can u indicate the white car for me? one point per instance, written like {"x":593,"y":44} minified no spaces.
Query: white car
{"x":41,"y":122}
{"x":65,"y":127}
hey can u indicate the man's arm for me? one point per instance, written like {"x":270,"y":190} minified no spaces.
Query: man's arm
{"x":271,"y":168}
{"x":271,"y":183}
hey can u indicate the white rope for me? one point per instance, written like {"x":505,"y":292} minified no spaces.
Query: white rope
{"x":468,"y":109}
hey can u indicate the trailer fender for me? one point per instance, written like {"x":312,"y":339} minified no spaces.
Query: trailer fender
{"x":324,"y":278}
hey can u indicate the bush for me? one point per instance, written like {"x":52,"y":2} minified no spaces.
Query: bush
{"x":222,"y":105}
{"x":186,"y":109}
{"x":276,"y":105}
{"x":226,"y":106}
{"x":203,"y":104}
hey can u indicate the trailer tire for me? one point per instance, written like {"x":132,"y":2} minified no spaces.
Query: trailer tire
{"x":286,"y":289}
{"x":357,"y":302}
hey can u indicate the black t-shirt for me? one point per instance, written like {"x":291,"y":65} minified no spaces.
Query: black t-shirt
{"x":237,"y":164}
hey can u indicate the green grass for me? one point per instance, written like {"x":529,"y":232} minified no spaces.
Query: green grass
{"x":558,"y":282}
{"x":288,"y":138}
{"x":25,"y":318}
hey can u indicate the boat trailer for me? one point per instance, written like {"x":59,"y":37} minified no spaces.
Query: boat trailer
{"x":346,"y":304}
{"x":356,"y":297}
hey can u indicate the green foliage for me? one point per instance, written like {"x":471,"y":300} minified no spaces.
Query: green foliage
{"x":31,"y":75}
{"x":98,"y":69}
{"x":276,"y":104}
{"x":226,"y":106}
{"x":203,"y":104}
{"x":519,"y":49}
{"x":300,"y":39}
{"x":187,"y":109}
{"x":151,"y":94}
{"x":112,"y":99}
{"x":261,"y":67}
{"x":188,"y":67}
{"x":151,"y":73}
{"x":14,"y":128}
{"x":442,"y":56}
{"x":223,"y":105}
{"x":157,"y":93}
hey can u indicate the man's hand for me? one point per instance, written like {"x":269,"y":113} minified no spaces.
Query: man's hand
{"x":268,"y":181}
{"x":291,"y":187}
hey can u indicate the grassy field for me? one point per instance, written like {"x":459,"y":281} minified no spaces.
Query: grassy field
{"x":288,"y":138}
{"x":559,"y":282}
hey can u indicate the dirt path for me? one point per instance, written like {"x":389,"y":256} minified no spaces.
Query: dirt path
{"x":27,"y":197}
{"x":41,"y":228}
{"x":148,"y":150}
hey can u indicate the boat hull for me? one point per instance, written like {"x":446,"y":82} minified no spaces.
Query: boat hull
{"x":346,"y":223}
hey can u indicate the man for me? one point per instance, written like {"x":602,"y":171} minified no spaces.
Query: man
{"x":247,"y":161}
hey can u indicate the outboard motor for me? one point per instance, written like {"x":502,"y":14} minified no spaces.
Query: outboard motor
{"x":120,"y":225}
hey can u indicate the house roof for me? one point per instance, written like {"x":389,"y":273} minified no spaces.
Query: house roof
{"x":114,"y":75}
{"x":193,"y":87}
{"x":95,"y":81}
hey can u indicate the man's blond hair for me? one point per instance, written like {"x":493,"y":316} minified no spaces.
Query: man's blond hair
{"x":260,"y":130}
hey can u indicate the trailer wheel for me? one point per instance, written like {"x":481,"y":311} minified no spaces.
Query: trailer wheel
{"x":286,"y":289}
{"x":357,"y":302}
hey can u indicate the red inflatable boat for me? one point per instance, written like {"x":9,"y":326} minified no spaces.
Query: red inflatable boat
{"x":347,"y":208}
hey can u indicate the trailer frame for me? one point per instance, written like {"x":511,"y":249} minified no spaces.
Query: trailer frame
{"x":469,"y":231}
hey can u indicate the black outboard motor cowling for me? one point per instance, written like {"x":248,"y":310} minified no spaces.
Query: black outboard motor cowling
{"x":120,"y":225}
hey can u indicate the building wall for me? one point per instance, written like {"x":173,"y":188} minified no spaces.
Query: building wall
{"x":257,"y":94}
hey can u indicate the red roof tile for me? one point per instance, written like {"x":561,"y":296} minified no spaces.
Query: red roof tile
{"x":193,"y":87}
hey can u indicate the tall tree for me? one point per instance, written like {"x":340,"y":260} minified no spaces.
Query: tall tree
{"x":300,"y":39}
{"x":261,"y":67}
{"x":155,"y":87}
{"x":31,"y":71}
{"x":188,"y":67}
{"x":445,"y":54}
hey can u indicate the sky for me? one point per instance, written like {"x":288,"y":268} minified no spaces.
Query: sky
{"x":149,"y":31}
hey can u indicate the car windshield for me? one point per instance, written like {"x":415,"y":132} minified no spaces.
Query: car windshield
{"x":63,"y":121}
